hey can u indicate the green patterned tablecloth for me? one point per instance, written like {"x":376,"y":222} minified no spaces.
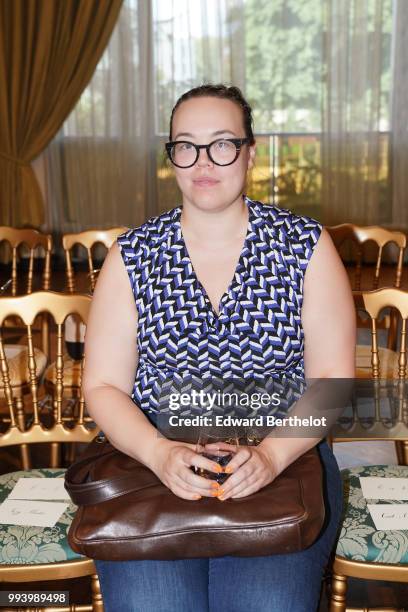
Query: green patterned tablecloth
{"x":32,"y":545}
{"x":359,"y":539}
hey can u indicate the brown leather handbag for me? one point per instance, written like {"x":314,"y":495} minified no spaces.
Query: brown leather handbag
{"x":125,"y":512}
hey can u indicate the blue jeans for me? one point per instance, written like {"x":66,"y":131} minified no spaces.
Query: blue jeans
{"x":278,"y":583}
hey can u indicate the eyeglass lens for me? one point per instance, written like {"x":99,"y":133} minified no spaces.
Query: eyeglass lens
{"x":222,"y":152}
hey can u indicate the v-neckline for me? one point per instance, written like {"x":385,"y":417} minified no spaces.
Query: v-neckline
{"x":238,"y":266}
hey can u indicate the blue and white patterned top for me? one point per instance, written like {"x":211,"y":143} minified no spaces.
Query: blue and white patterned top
{"x":258,"y":331}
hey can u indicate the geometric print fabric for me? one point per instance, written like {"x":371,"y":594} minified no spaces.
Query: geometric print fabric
{"x":257,"y":333}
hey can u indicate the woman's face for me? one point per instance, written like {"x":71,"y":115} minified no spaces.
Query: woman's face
{"x":201,"y":121}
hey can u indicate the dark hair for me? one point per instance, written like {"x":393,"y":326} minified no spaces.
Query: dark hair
{"x":226,"y":93}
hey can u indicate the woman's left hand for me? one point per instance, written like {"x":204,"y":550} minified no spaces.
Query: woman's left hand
{"x":251,"y":469}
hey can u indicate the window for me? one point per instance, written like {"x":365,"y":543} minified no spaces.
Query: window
{"x":278,"y":52}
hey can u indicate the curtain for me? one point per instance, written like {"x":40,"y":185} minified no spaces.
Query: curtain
{"x":99,"y":163}
{"x":195,"y":42}
{"x":106,"y":166}
{"x":48,"y":52}
{"x":355,"y":109}
{"x":319,"y":77}
{"x":399,"y":118}
{"x":284,"y":62}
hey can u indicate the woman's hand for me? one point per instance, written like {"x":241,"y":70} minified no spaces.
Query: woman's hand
{"x":171,"y":463}
{"x":251,"y":469}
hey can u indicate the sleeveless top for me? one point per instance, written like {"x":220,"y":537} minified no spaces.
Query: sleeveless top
{"x":258,"y":331}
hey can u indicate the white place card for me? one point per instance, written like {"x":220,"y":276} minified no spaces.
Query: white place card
{"x":39,"y":488}
{"x":375,"y":487}
{"x":389,"y":516}
{"x":31,"y":513}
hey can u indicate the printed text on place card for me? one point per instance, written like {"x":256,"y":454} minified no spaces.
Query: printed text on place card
{"x":375,"y":487}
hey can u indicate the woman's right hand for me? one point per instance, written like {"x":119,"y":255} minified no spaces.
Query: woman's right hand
{"x":172,"y":462}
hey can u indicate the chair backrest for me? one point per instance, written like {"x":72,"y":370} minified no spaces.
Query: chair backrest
{"x":380,"y":236}
{"x":379,"y":403}
{"x":373,"y":302}
{"x":87,"y":239}
{"x":59,"y":307}
{"x":32,"y":239}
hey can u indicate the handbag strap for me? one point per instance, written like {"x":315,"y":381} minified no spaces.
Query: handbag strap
{"x":86,"y":492}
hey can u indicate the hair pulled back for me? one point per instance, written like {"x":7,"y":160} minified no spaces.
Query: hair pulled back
{"x":225,"y":93}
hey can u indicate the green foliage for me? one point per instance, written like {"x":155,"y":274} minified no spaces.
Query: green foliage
{"x":283,"y":49}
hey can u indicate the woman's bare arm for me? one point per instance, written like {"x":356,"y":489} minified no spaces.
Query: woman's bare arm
{"x":111,"y":360}
{"x":328,"y":315}
{"x":328,"y":320}
{"x":329,"y":324}
{"x":110,"y":366}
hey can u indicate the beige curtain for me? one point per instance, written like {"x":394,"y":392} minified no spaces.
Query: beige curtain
{"x":48,"y":52}
{"x":354,"y":152}
{"x":99,"y":163}
{"x":106,"y":167}
{"x":399,"y":118}
{"x":319,"y":70}
{"x":195,"y":42}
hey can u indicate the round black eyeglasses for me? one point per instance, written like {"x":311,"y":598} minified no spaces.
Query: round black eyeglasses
{"x":222,"y":152}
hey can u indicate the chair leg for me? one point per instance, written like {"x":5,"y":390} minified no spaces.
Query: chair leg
{"x":45,"y":335}
{"x":55,"y":449}
{"x":54,"y":408}
{"x":393,"y":330}
{"x":70,"y":453}
{"x":401,"y":447}
{"x":338,"y":594}
{"x":97,"y":602}
{"x":24,"y":450}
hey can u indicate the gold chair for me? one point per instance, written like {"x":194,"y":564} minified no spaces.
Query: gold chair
{"x":366,"y":358}
{"x":38,"y":554}
{"x":17,"y":359}
{"x":362,"y":551}
{"x":72,"y":367}
{"x":87,"y":239}
{"x":33,"y":239}
{"x":364,"y":354}
{"x":360,"y":235}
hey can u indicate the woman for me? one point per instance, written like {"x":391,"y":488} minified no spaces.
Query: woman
{"x":190,"y":316}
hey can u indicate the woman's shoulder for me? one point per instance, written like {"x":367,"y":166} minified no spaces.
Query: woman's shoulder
{"x":138,"y":245}
{"x":285,"y":222}
{"x":154,"y":227}
{"x":140,"y":241}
